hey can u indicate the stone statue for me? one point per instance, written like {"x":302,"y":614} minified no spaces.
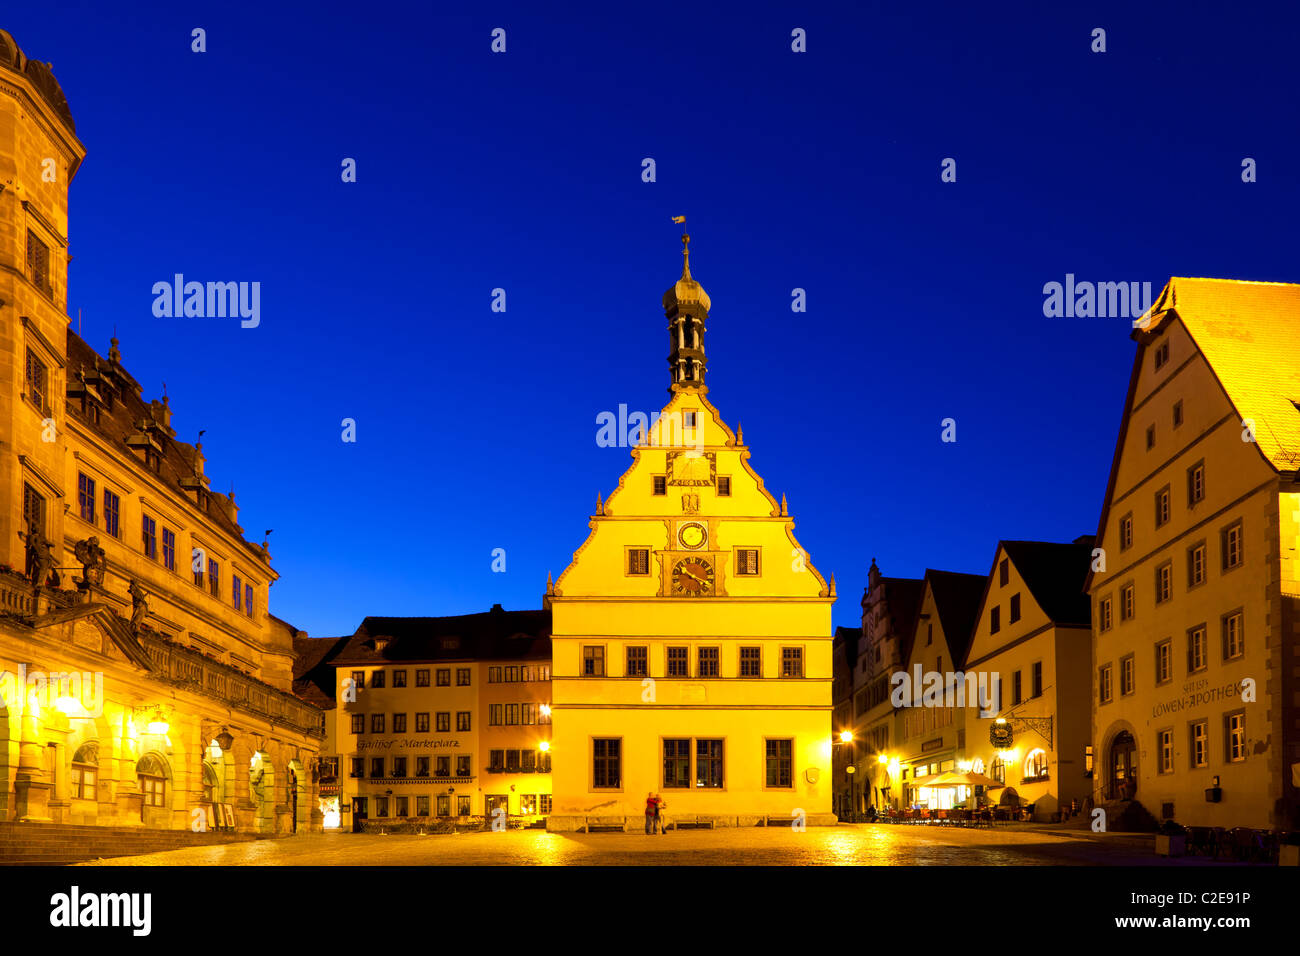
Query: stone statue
{"x":93,"y":562}
{"x":139,"y":606}
{"x":40,"y":559}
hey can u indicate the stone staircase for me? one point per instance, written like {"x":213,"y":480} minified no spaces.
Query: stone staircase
{"x":58,"y":844}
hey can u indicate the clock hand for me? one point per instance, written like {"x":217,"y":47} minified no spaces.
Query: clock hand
{"x":695,"y":576}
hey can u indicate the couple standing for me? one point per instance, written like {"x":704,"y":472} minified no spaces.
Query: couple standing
{"x":653,"y":804}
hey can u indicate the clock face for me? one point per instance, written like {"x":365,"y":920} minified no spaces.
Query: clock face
{"x":692,"y":535}
{"x":692,"y":576}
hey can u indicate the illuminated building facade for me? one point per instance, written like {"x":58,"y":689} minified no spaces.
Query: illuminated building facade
{"x":1195,"y":686}
{"x":1031,"y":634}
{"x":692,"y":636}
{"x":444,"y":719}
{"x":143,"y":679}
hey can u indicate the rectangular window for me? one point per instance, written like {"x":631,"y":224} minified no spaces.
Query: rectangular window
{"x":678,"y":662}
{"x":1200,"y":733}
{"x":1015,"y":688}
{"x":659,"y":484}
{"x":792,"y":662}
{"x":86,"y":497}
{"x":1103,"y":614}
{"x":422,"y":803}
{"x":751,"y":662}
{"x":399,"y":763}
{"x":528,"y":714}
{"x":778,"y":755}
{"x":358,"y":723}
{"x":376,"y":723}
{"x":747,"y":560}
{"x":248,"y":599}
{"x":637,"y":661}
{"x":149,"y":533}
{"x":1196,"y":484}
{"x":1230,"y":546}
{"x":1104,"y":693}
{"x":1014,"y":614}
{"x":462,"y":721}
{"x":444,"y":721}
{"x":1126,"y":603}
{"x":422,"y":723}
{"x":708,"y":763}
{"x":677,"y":762}
{"x":512,"y":761}
{"x":463,"y":767}
{"x":381,"y":804}
{"x":214,"y":578}
{"x":464,"y":805}
{"x":593,"y":661}
{"x":359,"y":680}
{"x":1164,"y":582}
{"x":543,"y":803}
{"x":995,"y":620}
{"x":443,"y":804}
{"x":358,"y":767}
{"x":497,"y":760}
{"x":1126,"y":532}
{"x":377,"y":679}
{"x":38,"y":263}
{"x":512,"y":674}
{"x":33,"y":509}
{"x":1036,"y":685}
{"x":1197,"y":656}
{"x":724,"y":486}
{"x":236,"y":591}
{"x":606,"y":763}
{"x":399,"y":723}
{"x":444,"y":677}
{"x":112,"y":512}
{"x":462,"y":676}
{"x":1178,"y":413}
{"x":1234,"y":728}
{"x":1165,"y":748}
{"x":1164,"y":661}
{"x":1162,"y":506}
{"x":1004,"y":572}
{"x":1126,"y":675}
{"x":638,"y":561}
{"x":496,"y":715}
{"x":1151,"y":437}
{"x":399,"y":677}
{"x":708,"y":662}
{"x":169,"y":549}
{"x":422,"y":677}
{"x":376,"y":766}
{"x":1234,"y":645}
{"x":1196,"y":565}
{"x":442,"y":766}
{"x":38,"y":382}
{"x":512,"y":715}
{"x":1161,"y":355}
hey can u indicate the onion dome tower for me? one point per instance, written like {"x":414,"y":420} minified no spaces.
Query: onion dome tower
{"x":686,"y":306}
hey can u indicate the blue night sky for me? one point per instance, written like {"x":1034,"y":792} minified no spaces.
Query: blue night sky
{"x":476,"y":429}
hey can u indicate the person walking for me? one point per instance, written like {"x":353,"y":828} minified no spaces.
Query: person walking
{"x":651,"y":812}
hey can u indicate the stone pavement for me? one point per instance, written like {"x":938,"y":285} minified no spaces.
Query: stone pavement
{"x":851,"y":844}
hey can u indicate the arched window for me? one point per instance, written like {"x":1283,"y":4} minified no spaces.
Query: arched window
{"x":1035,"y":765}
{"x":977,"y":765}
{"x":998,"y":770}
{"x":152,"y":775}
{"x":209,"y":783}
{"x":85,"y":771}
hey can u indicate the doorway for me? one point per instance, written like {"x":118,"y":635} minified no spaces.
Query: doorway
{"x":1123,"y":767}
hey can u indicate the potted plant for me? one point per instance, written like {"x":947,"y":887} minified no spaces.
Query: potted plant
{"x":1171,"y":839}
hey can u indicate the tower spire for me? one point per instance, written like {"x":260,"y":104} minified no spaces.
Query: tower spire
{"x":686,"y":306}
